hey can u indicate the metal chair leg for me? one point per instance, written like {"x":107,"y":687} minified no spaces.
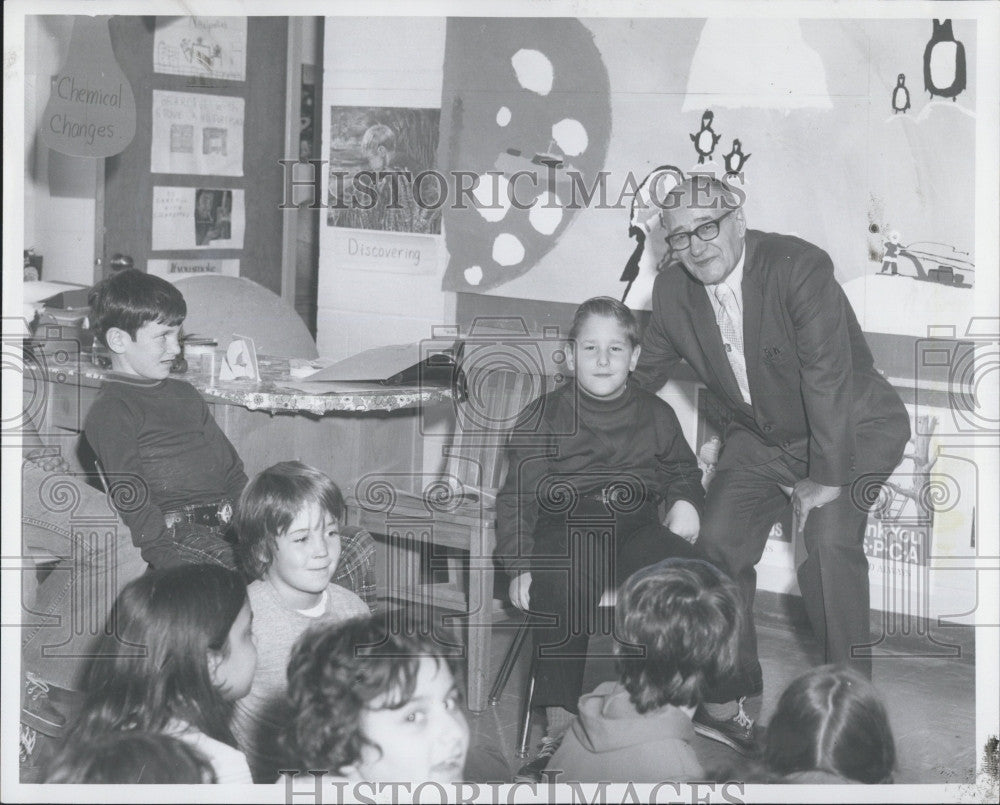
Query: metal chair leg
{"x":509,"y":660}
{"x":529,"y":702}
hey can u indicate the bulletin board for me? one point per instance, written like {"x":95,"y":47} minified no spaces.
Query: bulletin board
{"x":247,"y":188}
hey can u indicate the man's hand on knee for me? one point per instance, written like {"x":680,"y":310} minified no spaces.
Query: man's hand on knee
{"x":520,"y":587}
{"x":806,"y":496}
{"x":683,"y":520}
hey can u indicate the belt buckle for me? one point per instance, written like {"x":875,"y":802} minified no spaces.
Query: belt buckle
{"x":225,"y":513}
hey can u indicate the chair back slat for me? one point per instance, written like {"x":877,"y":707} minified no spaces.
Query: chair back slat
{"x":483,"y":420}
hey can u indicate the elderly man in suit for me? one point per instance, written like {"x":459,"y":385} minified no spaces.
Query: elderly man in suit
{"x":766,"y":327}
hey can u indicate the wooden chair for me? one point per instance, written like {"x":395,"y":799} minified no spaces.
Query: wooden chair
{"x":455,"y":513}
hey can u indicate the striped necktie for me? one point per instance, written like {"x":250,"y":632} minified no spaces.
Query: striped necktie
{"x":732,"y":336}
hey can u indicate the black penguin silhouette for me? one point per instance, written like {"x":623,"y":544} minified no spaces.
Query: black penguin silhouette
{"x":735,"y":159}
{"x":900,"y":95}
{"x":947,"y":78}
{"x":705,"y":138}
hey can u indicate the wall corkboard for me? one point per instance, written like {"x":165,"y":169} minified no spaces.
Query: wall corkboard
{"x":129,"y":184}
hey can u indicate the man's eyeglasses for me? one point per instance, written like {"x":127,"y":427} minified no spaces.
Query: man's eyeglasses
{"x":709,"y":230}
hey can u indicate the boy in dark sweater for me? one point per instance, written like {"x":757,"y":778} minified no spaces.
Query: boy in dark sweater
{"x":589,"y":466}
{"x":174,"y":475}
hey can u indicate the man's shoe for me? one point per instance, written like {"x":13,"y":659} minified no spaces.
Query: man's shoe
{"x":531,"y":772}
{"x":737,"y":732}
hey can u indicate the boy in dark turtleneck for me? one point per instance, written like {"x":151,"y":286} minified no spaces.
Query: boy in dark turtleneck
{"x":589,"y":466}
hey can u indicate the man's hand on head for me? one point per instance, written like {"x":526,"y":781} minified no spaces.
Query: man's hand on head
{"x":806,"y":496}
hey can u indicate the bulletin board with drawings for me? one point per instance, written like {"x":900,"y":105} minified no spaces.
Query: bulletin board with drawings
{"x":200,"y":187}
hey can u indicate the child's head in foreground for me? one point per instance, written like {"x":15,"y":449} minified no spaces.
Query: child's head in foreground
{"x":831,"y":719}
{"x":288,"y":521}
{"x":372,"y":705}
{"x":603,"y":346}
{"x":138,"y":317}
{"x":684,"y":614}
{"x":128,"y":757}
{"x":179,"y":646}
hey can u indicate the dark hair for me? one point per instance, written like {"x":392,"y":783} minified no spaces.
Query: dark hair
{"x":129,"y":757}
{"x":151,"y":664}
{"x":685,"y":615}
{"x":335,"y":674}
{"x":131,"y":298}
{"x":831,"y":719}
{"x":610,"y":307}
{"x":269,"y":504}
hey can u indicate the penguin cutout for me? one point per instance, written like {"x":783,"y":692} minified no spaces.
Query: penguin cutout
{"x":705,"y":138}
{"x":944,"y":62}
{"x":735,"y":159}
{"x":900,"y":95}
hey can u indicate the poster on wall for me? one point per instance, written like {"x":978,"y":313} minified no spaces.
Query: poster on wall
{"x":212,"y":47}
{"x":178,"y":269}
{"x":195,"y":133}
{"x":381,"y":169}
{"x":197,"y":217}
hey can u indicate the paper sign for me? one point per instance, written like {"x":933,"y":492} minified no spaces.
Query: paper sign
{"x":197,"y":218}
{"x":195,"y":133}
{"x":381,"y":363}
{"x":240,"y":361}
{"x":178,"y":269}
{"x":213,"y":47}
{"x":91,"y":108}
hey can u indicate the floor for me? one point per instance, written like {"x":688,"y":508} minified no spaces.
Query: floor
{"x":930,"y":699}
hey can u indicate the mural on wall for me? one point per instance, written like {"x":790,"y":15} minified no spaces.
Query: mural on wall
{"x":944,"y":62}
{"x":938,"y":263}
{"x":528,"y":120}
{"x":381,"y":164}
{"x":645,"y":223}
{"x":735,"y":159}
{"x":705,"y":139}
{"x":900,"y":95}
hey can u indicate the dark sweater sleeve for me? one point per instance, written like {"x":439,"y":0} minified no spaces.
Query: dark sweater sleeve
{"x":236,"y":477}
{"x":529,"y":449}
{"x":112,"y":429}
{"x":677,"y":469}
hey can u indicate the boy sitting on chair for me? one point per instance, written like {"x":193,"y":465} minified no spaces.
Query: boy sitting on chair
{"x":589,"y":465}
{"x":679,"y":622}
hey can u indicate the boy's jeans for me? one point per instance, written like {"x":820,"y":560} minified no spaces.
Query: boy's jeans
{"x":574,"y":559}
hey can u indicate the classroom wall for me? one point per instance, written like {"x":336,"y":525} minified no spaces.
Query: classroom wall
{"x":810,"y":101}
{"x":59,"y":190}
{"x":829,"y":159}
{"x":393,"y":62}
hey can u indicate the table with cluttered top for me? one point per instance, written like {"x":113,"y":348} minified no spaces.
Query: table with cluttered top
{"x":347,"y":429}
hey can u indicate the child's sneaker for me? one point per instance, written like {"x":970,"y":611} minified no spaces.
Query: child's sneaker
{"x":738,"y":732}
{"x":45,"y":707}
{"x":531,"y":772}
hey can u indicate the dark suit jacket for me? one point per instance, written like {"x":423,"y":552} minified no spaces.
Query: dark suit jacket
{"x":816,"y":394}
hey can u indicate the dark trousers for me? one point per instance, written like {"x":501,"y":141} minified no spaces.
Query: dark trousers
{"x":741,"y":506}
{"x":576,"y":557}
